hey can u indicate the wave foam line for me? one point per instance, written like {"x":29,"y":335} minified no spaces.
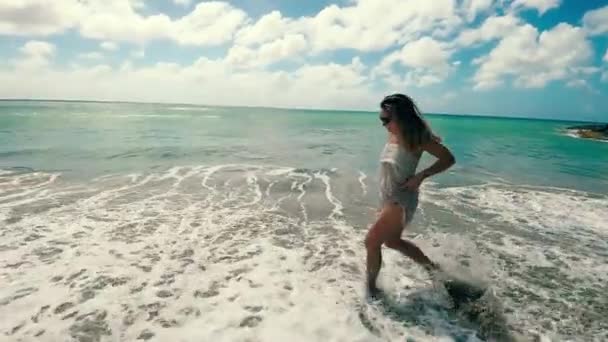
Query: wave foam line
{"x":33,"y":193}
{"x":302,"y":188}
{"x":252,"y":182}
{"x":362,"y":178}
{"x":337,"y":211}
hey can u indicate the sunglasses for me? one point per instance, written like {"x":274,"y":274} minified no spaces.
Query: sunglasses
{"x":385,"y":120}
{"x":387,"y":107}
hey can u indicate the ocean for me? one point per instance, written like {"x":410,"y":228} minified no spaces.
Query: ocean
{"x":162,"y":222}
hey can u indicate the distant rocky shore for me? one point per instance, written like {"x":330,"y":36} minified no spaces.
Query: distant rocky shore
{"x":593,"y":131}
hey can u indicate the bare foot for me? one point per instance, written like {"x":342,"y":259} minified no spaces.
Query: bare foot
{"x":433,"y":268}
{"x":373,"y":292}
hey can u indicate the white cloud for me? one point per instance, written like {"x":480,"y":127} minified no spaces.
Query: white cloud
{"x":472,"y":8}
{"x":206,"y":81}
{"x":494,"y":27}
{"x":116,"y":20}
{"x":35,"y":48}
{"x":587,"y":70}
{"x":365,"y":25}
{"x":269,"y":27}
{"x":424,"y":53}
{"x":596,"y":21}
{"x":425,"y":35}
{"x":94,"y":55}
{"x":109,"y":46}
{"x":184,"y":3}
{"x":210,"y":23}
{"x":37,"y":17}
{"x":427,"y":61}
{"x":581,"y":84}
{"x":34,"y":55}
{"x":289,"y":46}
{"x":535,"y":59}
{"x":541,"y":6}
{"x":372,"y":25}
{"x":140,"y":53}
{"x":334,"y":76}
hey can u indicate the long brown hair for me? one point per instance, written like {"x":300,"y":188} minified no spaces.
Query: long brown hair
{"x":415,"y":131}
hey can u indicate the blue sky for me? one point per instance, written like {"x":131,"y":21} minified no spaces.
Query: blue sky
{"x":535,"y":58}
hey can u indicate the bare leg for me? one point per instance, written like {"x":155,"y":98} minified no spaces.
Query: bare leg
{"x":387,"y":225}
{"x":374,"y":263}
{"x":412,"y":251}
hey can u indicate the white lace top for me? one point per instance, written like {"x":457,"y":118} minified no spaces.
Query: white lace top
{"x":396,"y":166}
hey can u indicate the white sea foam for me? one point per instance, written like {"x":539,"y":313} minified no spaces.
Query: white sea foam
{"x":572,"y":134}
{"x":149,"y":266}
{"x":337,"y":205}
{"x":25,"y":114}
{"x":126,"y":116}
{"x":248,"y":252}
{"x":24,"y":188}
{"x":546,"y":243}
{"x":362,"y":177}
{"x":548,"y":209}
{"x":279,"y":171}
{"x":190,"y":109}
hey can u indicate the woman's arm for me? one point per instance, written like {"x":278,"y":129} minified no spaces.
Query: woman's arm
{"x":445,"y":159}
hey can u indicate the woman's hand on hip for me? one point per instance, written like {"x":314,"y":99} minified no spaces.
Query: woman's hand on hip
{"x":413,"y":183}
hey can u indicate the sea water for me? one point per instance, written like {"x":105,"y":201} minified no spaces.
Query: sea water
{"x":162,"y":222}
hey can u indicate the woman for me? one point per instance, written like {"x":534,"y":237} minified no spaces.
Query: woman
{"x":409,"y":137}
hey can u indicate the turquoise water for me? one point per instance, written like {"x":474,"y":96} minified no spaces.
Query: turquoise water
{"x":239,"y":217}
{"x":93,"y":138}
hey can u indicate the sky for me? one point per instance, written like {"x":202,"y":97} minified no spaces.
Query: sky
{"x":532,"y":58}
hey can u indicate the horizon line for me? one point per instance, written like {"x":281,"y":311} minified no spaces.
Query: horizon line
{"x":290,"y":108}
